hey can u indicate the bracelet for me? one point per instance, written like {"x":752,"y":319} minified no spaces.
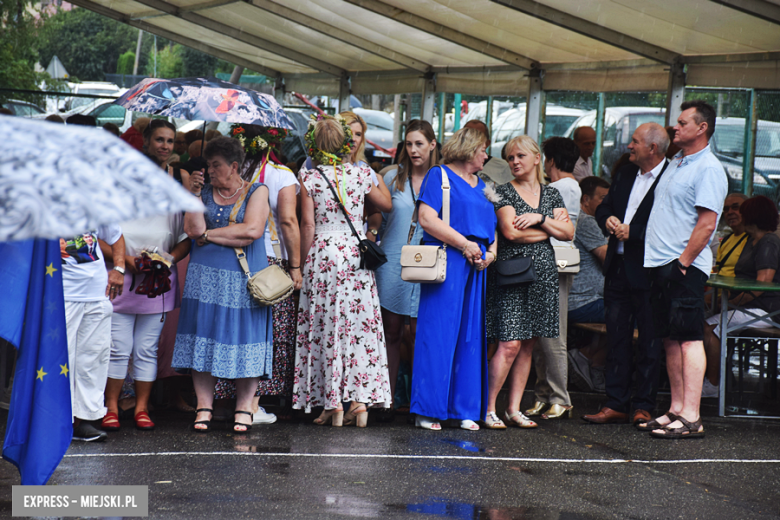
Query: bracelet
{"x":492,"y":253}
{"x":544,"y":217}
{"x":293,"y":267}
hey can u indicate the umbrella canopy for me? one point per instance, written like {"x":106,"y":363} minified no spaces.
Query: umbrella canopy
{"x":59,"y":180}
{"x":209,"y":99}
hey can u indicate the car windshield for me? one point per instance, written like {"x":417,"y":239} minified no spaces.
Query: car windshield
{"x":376,"y":120}
{"x":730,"y":140}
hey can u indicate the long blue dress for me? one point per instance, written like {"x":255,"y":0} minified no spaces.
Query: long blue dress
{"x":221,"y":329}
{"x":450,"y":377}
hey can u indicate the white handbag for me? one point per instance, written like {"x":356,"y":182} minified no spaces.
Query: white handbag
{"x":427,"y":264}
{"x":567,"y":258}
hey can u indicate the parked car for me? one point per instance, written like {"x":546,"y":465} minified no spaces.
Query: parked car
{"x":380,"y":131}
{"x":512,"y":123}
{"x":728,"y":145}
{"x":23,"y":108}
{"x":97,"y":88}
{"x":294,"y":147}
{"x":619,"y":126}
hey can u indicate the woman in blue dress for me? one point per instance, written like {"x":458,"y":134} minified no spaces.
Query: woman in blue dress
{"x":400,"y":299}
{"x":450,"y":354}
{"x":222,"y":331}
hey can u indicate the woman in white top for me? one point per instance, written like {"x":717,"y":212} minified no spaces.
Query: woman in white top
{"x":282,"y":246}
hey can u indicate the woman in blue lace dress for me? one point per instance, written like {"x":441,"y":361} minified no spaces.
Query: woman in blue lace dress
{"x":222,"y":331}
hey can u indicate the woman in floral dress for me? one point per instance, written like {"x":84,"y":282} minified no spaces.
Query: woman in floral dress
{"x":341,"y":352}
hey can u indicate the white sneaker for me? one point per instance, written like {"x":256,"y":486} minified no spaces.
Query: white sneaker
{"x":709,"y":390}
{"x":263,"y":417}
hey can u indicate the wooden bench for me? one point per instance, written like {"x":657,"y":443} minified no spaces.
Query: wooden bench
{"x":598,"y":328}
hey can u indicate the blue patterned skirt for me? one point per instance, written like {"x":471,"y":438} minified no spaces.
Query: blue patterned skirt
{"x":222,"y":330}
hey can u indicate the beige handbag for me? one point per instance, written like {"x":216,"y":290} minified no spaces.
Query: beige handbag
{"x":567,"y":258}
{"x":427,"y":264}
{"x":272,"y":284}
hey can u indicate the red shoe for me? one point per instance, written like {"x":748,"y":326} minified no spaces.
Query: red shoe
{"x":110,"y":422}
{"x":143,"y":422}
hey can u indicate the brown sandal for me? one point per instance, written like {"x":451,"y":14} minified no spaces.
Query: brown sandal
{"x":688,"y":430}
{"x":655,"y":425}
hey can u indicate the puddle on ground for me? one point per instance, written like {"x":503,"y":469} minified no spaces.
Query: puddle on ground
{"x":463,"y":511}
{"x":466,"y":445}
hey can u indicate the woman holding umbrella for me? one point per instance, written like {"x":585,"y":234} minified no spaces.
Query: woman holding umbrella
{"x":138,"y":317}
{"x":222,"y":331}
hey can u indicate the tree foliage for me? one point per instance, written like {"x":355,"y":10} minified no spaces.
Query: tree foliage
{"x":125,"y":63}
{"x":169,"y":62}
{"x":18,"y":53}
{"x":198,"y":64}
{"x":87,"y":43}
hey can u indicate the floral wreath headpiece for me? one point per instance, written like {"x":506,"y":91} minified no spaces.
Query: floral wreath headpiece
{"x":321,"y":156}
{"x":259,"y":144}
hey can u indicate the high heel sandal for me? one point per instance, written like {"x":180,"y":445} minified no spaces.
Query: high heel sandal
{"x":536,"y":410}
{"x":206,"y":423}
{"x":335,"y":416}
{"x":557,"y":411}
{"x":353,"y":417}
{"x":427,"y":423}
{"x":245,"y":425}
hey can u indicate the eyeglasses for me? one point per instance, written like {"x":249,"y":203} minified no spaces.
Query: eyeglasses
{"x":734,"y":207}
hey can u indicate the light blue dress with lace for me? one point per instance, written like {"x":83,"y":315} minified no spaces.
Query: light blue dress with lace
{"x":222,"y":330}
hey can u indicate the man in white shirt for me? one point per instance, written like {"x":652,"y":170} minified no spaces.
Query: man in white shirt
{"x":88,"y":290}
{"x":585,"y":138}
{"x":623,"y":216}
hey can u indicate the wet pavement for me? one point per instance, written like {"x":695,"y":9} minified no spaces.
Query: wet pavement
{"x":565,"y":469}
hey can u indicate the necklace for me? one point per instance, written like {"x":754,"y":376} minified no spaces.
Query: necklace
{"x":219,"y":190}
{"x":534,"y":193}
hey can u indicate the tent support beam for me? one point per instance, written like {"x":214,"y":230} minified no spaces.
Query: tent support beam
{"x":428,"y":97}
{"x":344,"y":92}
{"x":238,"y":34}
{"x":189,"y":42}
{"x":591,"y":30}
{"x":446,"y":33}
{"x":675,"y":95}
{"x":340,"y":34}
{"x":534,"y":111}
{"x":767,"y":11}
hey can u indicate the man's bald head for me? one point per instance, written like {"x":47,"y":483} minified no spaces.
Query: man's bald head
{"x":585,"y":138}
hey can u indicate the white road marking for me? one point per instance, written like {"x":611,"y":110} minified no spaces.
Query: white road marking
{"x":426,"y":457}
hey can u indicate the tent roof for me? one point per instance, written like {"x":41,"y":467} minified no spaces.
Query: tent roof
{"x":475,"y":46}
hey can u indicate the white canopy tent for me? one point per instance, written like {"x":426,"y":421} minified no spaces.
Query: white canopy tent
{"x":484,"y":47}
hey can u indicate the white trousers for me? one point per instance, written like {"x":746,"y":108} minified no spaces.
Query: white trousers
{"x":89,"y":346}
{"x":136,"y":335}
{"x":739,"y":318}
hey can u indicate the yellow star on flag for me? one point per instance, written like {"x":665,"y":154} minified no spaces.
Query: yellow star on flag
{"x":50,"y":269}
{"x":40,"y":375}
{"x":64,"y":370}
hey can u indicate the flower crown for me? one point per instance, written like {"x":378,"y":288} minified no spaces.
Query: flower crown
{"x":260,"y":143}
{"x":321,"y":156}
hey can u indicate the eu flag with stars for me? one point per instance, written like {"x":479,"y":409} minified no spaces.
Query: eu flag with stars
{"x":32,"y":318}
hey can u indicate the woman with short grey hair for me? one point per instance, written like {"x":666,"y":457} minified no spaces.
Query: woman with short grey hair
{"x":222,"y":331}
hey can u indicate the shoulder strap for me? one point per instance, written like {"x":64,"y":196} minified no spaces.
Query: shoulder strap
{"x":725,"y":258}
{"x":338,"y":201}
{"x":240,"y":254}
{"x":445,"y":207}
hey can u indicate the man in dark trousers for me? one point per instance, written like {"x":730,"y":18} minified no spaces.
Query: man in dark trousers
{"x":623,"y":216}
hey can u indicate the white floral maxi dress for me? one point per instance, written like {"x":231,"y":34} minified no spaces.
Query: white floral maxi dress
{"x":341,"y":353}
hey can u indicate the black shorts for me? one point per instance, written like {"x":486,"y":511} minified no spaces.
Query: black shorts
{"x":677,"y":301}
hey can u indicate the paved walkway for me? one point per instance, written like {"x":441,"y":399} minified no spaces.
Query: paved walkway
{"x":565,"y":469}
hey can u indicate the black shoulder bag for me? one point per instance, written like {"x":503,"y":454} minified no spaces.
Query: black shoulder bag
{"x":371,"y":255}
{"x":518,"y":270}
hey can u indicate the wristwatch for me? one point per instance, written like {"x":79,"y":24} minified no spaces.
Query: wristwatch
{"x":374,"y":231}
{"x":121,"y":270}
{"x":205,"y":236}
{"x":681,"y":266}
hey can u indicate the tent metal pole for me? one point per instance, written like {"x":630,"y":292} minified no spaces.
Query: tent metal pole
{"x":749,"y":154}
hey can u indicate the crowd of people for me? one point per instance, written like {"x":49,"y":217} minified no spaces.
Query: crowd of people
{"x":511,"y":288}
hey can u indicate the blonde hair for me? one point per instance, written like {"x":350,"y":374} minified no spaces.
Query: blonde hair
{"x":350,"y":118}
{"x":463,"y":145}
{"x":527,"y":145}
{"x":329,"y":135}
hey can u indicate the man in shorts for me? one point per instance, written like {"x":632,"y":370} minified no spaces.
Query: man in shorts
{"x":687,"y":205}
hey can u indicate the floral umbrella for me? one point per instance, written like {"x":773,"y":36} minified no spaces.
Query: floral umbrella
{"x":207,"y":99}
{"x":60,"y":180}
